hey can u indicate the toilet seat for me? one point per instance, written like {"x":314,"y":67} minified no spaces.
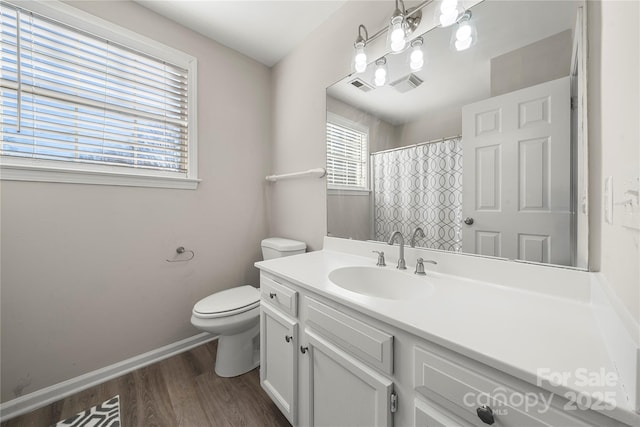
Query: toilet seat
{"x":228,"y":302}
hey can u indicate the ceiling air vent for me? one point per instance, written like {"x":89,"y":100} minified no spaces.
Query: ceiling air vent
{"x":406,"y":83}
{"x":361,"y":84}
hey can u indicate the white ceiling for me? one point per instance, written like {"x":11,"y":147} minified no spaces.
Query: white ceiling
{"x":265,"y":30}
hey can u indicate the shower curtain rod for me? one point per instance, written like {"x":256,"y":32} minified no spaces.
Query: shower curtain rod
{"x":433,"y":141}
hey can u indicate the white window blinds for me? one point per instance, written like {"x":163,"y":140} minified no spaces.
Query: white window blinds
{"x":70,"y":96}
{"x":347,"y":155}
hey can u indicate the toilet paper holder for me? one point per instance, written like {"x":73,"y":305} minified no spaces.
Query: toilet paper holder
{"x":181,"y":250}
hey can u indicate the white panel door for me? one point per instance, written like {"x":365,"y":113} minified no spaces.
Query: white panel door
{"x":342,"y":390}
{"x":516,"y":174}
{"x":279,"y":360}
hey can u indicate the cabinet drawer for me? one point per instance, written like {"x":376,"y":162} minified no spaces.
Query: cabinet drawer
{"x":464,"y":390}
{"x":281,"y":296}
{"x":365,"y":342}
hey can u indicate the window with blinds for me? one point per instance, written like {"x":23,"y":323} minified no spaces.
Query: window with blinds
{"x":347,"y":154}
{"x":71,"y":97}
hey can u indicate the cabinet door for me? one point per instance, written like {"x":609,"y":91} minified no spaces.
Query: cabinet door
{"x":279,"y":360}
{"x":342,"y":390}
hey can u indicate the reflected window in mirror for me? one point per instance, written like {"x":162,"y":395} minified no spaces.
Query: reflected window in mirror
{"x":347,"y":154}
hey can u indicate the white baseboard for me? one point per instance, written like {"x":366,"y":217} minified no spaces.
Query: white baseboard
{"x":39,"y":398}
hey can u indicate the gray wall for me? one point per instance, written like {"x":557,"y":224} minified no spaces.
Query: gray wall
{"x":84,"y":278}
{"x":545,"y":60}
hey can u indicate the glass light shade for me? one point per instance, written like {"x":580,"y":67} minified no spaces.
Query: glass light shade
{"x":360,"y":59}
{"x":449,"y":12}
{"x":397,"y":34}
{"x":380,"y":75}
{"x":416,"y":58}
{"x":465,"y":34}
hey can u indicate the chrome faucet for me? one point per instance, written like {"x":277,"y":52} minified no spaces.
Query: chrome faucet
{"x":418,"y":233}
{"x":401,"y":264}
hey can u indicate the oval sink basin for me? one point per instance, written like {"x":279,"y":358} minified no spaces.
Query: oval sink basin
{"x":381,"y":282}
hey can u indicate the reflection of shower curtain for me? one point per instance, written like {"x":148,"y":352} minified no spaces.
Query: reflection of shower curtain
{"x":420,"y":186}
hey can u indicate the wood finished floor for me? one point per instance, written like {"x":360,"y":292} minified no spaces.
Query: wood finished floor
{"x":180,"y":391}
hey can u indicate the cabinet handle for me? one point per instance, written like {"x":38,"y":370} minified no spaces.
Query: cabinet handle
{"x":303,"y":349}
{"x":485,"y":414}
{"x":288,"y":338}
{"x":272,"y":295}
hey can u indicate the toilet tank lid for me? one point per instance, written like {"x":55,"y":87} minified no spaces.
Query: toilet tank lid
{"x":228,"y":300}
{"x":283,"y":245}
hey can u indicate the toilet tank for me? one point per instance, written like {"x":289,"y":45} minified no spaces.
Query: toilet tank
{"x":277,"y":247}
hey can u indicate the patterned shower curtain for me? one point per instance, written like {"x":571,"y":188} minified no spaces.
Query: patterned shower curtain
{"x":420,"y":186}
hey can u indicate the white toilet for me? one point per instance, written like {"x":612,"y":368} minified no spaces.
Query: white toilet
{"x":234,"y":315}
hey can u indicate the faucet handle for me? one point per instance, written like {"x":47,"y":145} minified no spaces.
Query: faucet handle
{"x":420,"y":266}
{"x":380,"y":262}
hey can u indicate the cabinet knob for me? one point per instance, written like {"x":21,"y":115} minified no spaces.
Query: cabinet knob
{"x":303,"y":349}
{"x":485,"y":414}
{"x":272,"y":295}
{"x":288,"y":338}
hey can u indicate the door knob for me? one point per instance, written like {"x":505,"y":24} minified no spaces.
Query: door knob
{"x":485,"y":413}
{"x":468,"y":220}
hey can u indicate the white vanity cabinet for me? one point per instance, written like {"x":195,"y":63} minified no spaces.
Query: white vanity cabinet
{"x":325,"y":363}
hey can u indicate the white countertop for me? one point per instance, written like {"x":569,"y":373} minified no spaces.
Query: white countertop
{"x":516,"y":331}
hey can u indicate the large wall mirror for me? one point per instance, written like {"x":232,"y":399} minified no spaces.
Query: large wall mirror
{"x":483,"y":148}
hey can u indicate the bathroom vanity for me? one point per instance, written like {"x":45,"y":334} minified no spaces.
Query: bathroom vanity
{"x":461,"y":351}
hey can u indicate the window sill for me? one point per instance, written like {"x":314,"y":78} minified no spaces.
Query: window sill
{"x":9,"y":172}
{"x":347,"y":192}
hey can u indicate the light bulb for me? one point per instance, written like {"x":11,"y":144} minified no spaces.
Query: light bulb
{"x":449,"y":12}
{"x":463,"y":44}
{"x":464,"y":31}
{"x":360,"y":60}
{"x":447,"y":5}
{"x":397,"y":45}
{"x":416,"y":65}
{"x":416,"y":59}
{"x":449,"y":18}
{"x":380,"y":75}
{"x":416,"y":55}
{"x":397,"y":33}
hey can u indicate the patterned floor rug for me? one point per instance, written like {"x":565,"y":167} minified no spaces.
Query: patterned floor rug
{"x":106,"y":414}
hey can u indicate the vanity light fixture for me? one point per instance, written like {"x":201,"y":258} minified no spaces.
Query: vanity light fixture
{"x":360,"y":56}
{"x":402,"y":24}
{"x":416,"y":58}
{"x":448,"y":12}
{"x":465,"y":34}
{"x":381,"y":73}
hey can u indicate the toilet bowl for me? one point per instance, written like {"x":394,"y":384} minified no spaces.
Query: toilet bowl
{"x":234,"y":315}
